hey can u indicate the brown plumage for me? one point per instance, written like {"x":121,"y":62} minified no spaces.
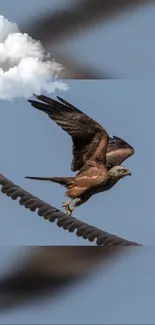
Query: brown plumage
{"x":96,"y":156}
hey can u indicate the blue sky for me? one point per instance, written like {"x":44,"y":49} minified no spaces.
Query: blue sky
{"x":31,"y":144}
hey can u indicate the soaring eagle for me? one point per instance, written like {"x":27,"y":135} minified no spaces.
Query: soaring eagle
{"x":96,"y":156}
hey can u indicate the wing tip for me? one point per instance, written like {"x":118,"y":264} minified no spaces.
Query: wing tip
{"x":36,"y":96}
{"x":59,"y":98}
{"x":31,"y":100}
{"x":122,"y":141}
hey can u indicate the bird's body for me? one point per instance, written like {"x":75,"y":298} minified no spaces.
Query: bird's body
{"x":96,"y":156}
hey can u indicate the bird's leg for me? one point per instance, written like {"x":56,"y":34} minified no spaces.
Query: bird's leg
{"x":78,"y":201}
{"x":70,"y":210}
{"x":67,"y":207}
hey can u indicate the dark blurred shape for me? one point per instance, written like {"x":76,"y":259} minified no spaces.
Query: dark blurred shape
{"x":52,"y":214}
{"x":51,"y":28}
{"x":48,"y":271}
{"x":78,"y":70}
{"x":55,"y":26}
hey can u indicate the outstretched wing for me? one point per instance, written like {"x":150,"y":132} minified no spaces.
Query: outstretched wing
{"x":89,"y":138}
{"x":118,"y":150}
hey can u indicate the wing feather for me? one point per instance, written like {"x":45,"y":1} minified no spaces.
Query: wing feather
{"x":118,"y":150}
{"x":89,"y":138}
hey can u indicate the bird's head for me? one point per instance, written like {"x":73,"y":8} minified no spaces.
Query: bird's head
{"x":118,"y":172}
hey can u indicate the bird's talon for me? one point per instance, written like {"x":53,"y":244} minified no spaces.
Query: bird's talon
{"x":65,"y":204}
{"x":69,"y":212}
{"x":67,"y":208}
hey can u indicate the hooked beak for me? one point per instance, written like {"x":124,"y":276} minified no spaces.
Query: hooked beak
{"x":128,"y":172}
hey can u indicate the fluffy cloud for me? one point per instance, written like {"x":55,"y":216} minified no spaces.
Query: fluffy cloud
{"x":24,"y":66}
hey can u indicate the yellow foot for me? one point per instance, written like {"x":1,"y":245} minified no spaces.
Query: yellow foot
{"x":69,"y":212}
{"x":67,"y":208}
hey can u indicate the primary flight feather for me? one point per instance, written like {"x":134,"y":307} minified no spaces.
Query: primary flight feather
{"x":96,"y":156}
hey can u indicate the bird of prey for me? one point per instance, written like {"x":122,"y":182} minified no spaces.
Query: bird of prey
{"x":96,"y":156}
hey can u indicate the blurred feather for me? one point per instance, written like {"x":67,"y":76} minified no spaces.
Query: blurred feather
{"x":46,"y":271}
{"x":54,"y":27}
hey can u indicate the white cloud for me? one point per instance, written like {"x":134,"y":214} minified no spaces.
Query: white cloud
{"x":24,"y":66}
{"x":6,"y":28}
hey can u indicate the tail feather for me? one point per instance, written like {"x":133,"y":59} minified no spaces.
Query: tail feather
{"x":65,"y":181}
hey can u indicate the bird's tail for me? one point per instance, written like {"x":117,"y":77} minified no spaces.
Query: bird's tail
{"x":65,"y":181}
